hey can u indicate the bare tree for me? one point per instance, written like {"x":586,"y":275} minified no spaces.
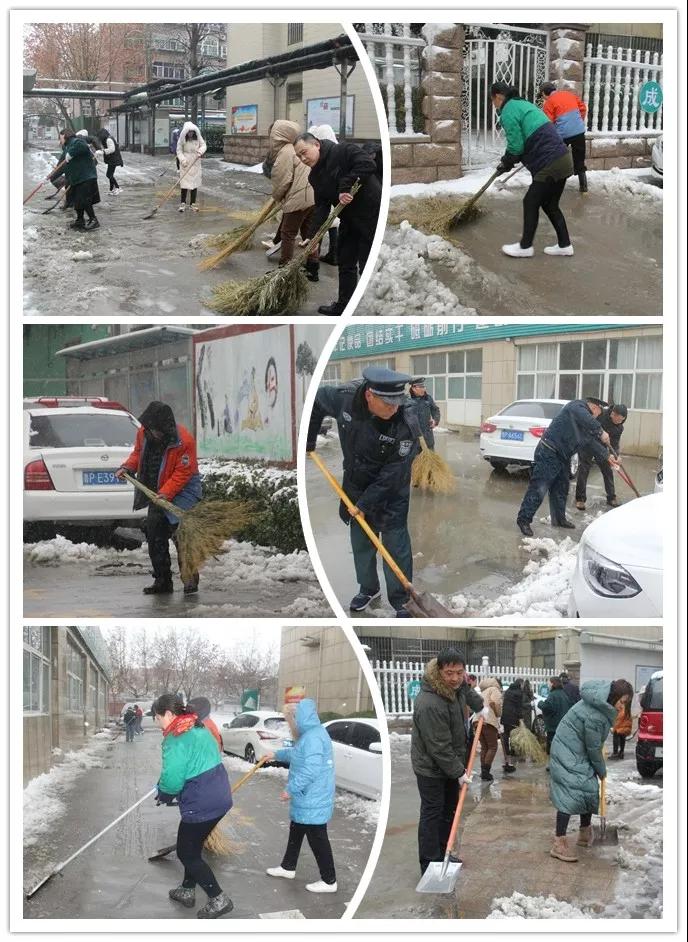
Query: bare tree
{"x":196,"y":59}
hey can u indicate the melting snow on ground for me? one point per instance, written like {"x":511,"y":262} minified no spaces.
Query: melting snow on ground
{"x":519,"y":906}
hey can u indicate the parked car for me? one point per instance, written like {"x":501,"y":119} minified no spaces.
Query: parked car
{"x":649,"y":747}
{"x":71,"y":455}
{"x":147,"y":722}
{"x":357,"y":755}
{"x":658,"y":159}
{"x":58,"y":402}
{"x":512,"y":435}
{"x":253,"y":735}
{"x":619,"y":567}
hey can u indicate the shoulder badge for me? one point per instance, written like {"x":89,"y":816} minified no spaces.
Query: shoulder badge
{"x":346,"y":416}
{"x":405,"y":447}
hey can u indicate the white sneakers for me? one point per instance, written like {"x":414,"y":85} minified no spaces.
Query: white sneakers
{"x":182,"y":208}
{"x":281,"y":872}
{"x":558,"y":250}
{"x":194,"y":208}
{"x":515,"y":251}
{"x":321,"y":887}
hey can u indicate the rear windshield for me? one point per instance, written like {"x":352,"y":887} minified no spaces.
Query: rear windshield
{"x":278,"y":725}
{"x":533,"y":410}
{"x":653,"y":698}
{"x":77,"y":431}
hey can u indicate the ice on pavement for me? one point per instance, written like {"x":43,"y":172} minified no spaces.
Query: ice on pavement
{"x":519,"y":906}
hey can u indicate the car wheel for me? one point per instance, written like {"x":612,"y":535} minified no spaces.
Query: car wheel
{"x":573,"y":469}
{"x":250,"y":754}
{"x":646,"y":769}
{"x":498,"y":465}
{"x":539,"y":728}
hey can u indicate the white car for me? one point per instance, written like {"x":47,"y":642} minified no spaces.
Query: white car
{"x":357,"y":755}
{"x":658,"y":158}
{"x":254,"y":734}
{"x":512,"y":435}
{"x":71,"y":455}
{"x":619,"y":567}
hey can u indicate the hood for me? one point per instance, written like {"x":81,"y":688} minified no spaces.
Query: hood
{"x":306,"y":715}
{"x":103,"y":135}
{"x":283,"y":132}
{"x":159,"y":417}
{"x":323,"y":132}
{"x":595,"y":693}
{"x":190,"y":126}
{"x":488,"y":682}
{"x":200,"y":706}
{"x":631,"y":534}
{"x":433,"y":680}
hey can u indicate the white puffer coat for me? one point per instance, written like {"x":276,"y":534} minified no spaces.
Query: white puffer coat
{"x":187,"y":150}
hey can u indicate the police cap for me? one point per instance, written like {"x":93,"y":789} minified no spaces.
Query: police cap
{"x":388,"y":385}
{"x":418,"y":381}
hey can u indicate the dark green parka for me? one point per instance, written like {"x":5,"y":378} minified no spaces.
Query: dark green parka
{"x":555,"y":708}
{"x":80,"y":165}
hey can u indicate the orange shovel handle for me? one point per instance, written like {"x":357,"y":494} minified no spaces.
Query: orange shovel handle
{"x":464,"y":787}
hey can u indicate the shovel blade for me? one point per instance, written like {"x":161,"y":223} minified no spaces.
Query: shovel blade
{"x":424,"y":605}
{"x":604,"y":833}
{"x":438,"y":880}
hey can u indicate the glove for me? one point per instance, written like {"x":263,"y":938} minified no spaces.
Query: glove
{"x":465,"y":779}
{"x":310,"y":446}
{"x":506,"y":163}
{"x":99,"y":153}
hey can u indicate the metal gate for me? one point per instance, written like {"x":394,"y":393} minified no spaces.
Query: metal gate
{"x":496,"y":53}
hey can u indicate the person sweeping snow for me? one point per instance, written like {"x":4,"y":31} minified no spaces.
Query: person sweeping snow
{"x":112,"y":158}
{"x":576,"y":763}
{"x":426,"y":408}
{"x":310,"y":793}
{"x":532,"y":139}
{"x":82,"y":178}
{"x":190,"y":148}
{"x":192,"y":775}
{"x":324,"y":132}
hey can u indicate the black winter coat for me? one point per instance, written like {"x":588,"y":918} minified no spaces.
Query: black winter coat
{"x":377,"y":454}
{"x":512,"y":707}
{"x":574,"y":428}
{"x":426,"y":409}
{"x":615,"y":432}
{"x":338,"y":168}
{"x":114,"y":159}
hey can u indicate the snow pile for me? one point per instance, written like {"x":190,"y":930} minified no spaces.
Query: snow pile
{"x":44,"y":796}
{"x":620,"y":184}
{"x":519,"y":906}
{"x":353,"y":806}
{"x":81,"y":256}
{"x":61,"y":550}
{"x":255,"y":474}
{"x":467,"y":185}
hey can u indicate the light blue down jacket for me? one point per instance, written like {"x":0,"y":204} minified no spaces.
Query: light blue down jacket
{"x":311,"y":768}
{"x":576,"y":759}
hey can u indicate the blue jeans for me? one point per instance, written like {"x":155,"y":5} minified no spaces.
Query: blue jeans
{"x":129,"y":730}
{"x":550,"y":475}
{"x":398,"y":543}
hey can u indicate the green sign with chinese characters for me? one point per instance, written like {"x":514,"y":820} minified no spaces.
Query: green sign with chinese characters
{"x":650,"y":97}
{"x":250,"y":700}
{"x":413,"y":689}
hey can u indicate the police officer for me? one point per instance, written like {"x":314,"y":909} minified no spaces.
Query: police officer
{"x":612,"y":421}
{"x":427,"y":410}
{"x":378,"y":431}
{"x":573,"y":428}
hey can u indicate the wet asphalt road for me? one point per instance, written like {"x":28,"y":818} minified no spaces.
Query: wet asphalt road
{"x":113,"y":879}
{"x":467,"y":542}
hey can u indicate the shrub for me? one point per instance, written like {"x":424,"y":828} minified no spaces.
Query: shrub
{"x":213,"y":135}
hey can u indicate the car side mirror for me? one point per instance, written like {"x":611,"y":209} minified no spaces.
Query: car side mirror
{"x":375,"y":747}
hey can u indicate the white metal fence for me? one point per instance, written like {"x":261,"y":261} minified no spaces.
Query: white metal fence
{"x":613,"y":79}
{"x":393,"y":678}
{"x":390,"y":47}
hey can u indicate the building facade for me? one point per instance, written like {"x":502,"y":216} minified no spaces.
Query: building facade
{"x":66,"y":692}
{"x":473,"y":371}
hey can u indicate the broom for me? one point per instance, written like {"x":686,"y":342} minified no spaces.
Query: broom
{"x":430,"y":472}
{"x":524,"y":743}
{"x":219,"y":842}
{"x":238,"y":238}
{"x":279,"y":292}
{"x":203,"y":529}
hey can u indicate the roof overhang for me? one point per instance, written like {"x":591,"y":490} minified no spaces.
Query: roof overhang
{"x":126,"y":343}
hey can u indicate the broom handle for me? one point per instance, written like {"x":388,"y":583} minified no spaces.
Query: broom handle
{"x":603,"y":797}
{"x":364,"y":525}
{"x":474,"y":199}
{"x":151,"y":495}
{"x":328,"y":222}
{"x":175,"y":185}
{"x":245,"y":778}
{"x":627,"y":478}
{"x":37,"y":188}
{"x":464,"y":788}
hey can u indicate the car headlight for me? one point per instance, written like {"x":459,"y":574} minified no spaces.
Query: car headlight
{"x":607,"y":578}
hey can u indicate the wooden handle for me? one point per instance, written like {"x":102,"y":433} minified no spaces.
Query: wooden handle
{"x":484,"y":187}
{"x":175,"y":185}
{"x":374,"y":539}
{"x":603,"y":797}
{"x":245,"y":778}
{"x":464,"y":787}
{"x":154,"y":498}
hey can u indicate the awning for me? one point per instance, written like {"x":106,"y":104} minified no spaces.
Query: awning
{"x":126,"y":343}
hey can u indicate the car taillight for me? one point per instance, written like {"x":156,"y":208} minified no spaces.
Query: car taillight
{"x":47,"y":403}
{"x":538,"y":432}
{"x":37,"y":477}
{"x":642,"y":723}
{"x":262,"y":735}
{"x":488,"y":427}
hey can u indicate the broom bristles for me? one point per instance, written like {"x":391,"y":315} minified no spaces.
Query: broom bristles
{"x":220,"y":841}
{"x":525,"y":743}
{"x":430,"y":472}
{"x":204,"y":530}
{"x":433,"y":215}
{"x":238,"y":238}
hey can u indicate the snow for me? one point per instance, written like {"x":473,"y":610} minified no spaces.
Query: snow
{"x":256,"y":168}
{"x":45,"y":795}
{"x":564,"y":46}
{"x":431,"y":31}
{"x":353,"y":806}
{"x":81,"y":256}
{"x":519,"y":906}
{"x":620,"y":184}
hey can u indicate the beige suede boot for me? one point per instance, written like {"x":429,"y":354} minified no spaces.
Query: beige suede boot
{"x":560,"y":850}
{"x":585,"y":837}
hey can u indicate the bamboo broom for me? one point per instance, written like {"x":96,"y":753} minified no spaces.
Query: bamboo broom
{"x":524,"y":743}
{"x":279,"y":292}
{"x":219,"y":842}
{"x":238,"y":238}
{"x":430,"y":472}
{"x":203,"y":529}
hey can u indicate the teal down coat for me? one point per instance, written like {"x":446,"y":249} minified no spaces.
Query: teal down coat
{"x":311,"y":768}
{"x":576,"y":759}
{"x":555,"y":708}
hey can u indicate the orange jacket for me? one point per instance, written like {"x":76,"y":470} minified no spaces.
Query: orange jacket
{"x":211,"y":726}
{"x":179,"y":466}
{"x":624,"y":723}
{"x":561,"y":102}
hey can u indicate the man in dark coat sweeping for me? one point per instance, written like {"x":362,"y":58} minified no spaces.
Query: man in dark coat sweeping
{"x":426,"y":408}
{"x":439,"y":749}
{"x":573,"y":428}
{"x":164,"y":459}
{"x":612,"y":421}
{"x":378,"y":433}
{"x":82,"y":178}
{"x":334,"y":170}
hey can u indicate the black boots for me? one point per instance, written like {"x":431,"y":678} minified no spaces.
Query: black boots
{"x":312,"y":270}
{"x":92,"y":224}
{"x":159,"y":587}
{"x":332,"y":310}
{"x":331,"y":257}
{"x":524,"y":527}
{"x":485,"y":774}
{"x":582,"y":182}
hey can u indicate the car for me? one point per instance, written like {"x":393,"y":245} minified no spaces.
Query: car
{"x":649,"y":748}
{"x":57,"y":402}
{"x":147,"y":721}
{"x":357,"y":755}
{"x":512,"y":435}
{"x":71,"y":454}
{"x":659,"y":481}
{"x":619,"y":567}
{"x":255,"y":734}
{"x":658,"y":159}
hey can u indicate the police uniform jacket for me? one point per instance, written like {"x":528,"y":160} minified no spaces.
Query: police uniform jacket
{"x":377,"y":453}
{"x":426,"y":409}
{"x":573,"y":429}
{"x":615,"y":432}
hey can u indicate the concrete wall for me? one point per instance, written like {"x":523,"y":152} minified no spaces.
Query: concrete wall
{"x":324,"y":662}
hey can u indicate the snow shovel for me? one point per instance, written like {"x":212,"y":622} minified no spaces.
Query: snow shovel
{"x":60,"y":867}
{"x":172,"y":188}
{"x":420,"y":604}
{"x":467,"y":208}
{"x":441,"y":877}
{"x":165,"y":851}
{"x":603,"y":833}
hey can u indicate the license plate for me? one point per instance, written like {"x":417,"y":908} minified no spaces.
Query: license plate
{"x":94,"y":478}
{"x":659,"y":753}
{"x":510,"y":435}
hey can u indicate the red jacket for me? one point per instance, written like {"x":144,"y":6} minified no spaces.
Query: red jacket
{"x":179,"y":463}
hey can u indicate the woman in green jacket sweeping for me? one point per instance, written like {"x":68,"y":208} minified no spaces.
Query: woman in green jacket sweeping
{"x":532,"y":139}
{"x":193,"y":774}
{"x":82,"y":178}
{"x":576,"y":762}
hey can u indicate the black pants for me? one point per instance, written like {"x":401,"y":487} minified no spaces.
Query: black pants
{"x":159,"y":532}
{"x":319,"y":843}
{"x":619,"y":744}
{"x":577,"y":145}
{"x":353,"y":248}
{"x":584,"y":468}
{"x":88,"y":209}
{"x":506,"y":745}
{"x":544,"y":195}
{"x":190,"y":838}
{"x":192,"y":199}
{"x":438,"y":800}
{"x":550,"y":740}
{"x":111,"y":177}
{"x":550,"y":475}
{"x":563,"y":822}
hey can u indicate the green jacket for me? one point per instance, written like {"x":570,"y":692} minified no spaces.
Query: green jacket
{"x":555,"y":708}
{"x":520,"y":119}
{"x":438,"y":738}
{"x":185,"y":757}
{"x":81,"y":165}
{"x":576,"y":761}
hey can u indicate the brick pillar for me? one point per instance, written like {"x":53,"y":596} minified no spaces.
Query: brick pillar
{"x":442,"y":65}
{"x":566,"y":52}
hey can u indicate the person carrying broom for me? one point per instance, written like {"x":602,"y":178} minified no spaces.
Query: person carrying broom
{"x":378,"y":433}
{"x":164,"y":459}
{"x":532,"y":139}
{"x":81,"y":176}
{"x":426,"y":408}
{"x":194,"y":777}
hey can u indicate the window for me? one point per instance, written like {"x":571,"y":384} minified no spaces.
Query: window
{"x":387,"y":363}
{"x":37,"y":670}
{"x":210,"y":47}
{"x":332,"y":375}
{"x":453,"y":375}
{"x":294,"y":33}
{"x":79,"y":430}
{"x":294,"y":93}
{"x":542,"y":653}
{"x":167,"y":70}
{"x":363,"y":735}
{"x":76,"y":675}
{"x":339,"y":732}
